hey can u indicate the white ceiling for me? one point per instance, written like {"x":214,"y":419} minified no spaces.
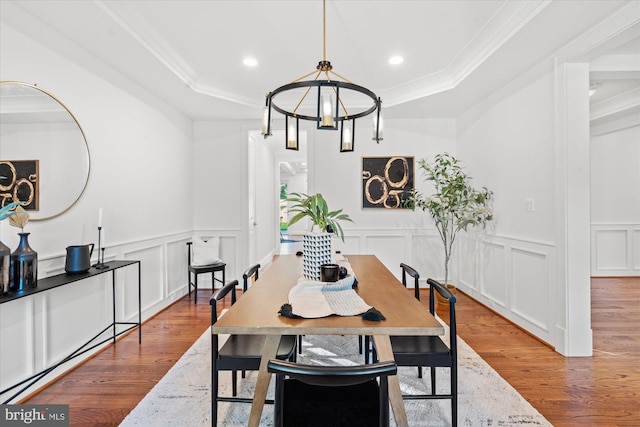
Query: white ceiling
{"x":456,"y":53}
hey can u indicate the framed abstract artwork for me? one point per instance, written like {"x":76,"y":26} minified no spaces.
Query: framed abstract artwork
{"x":386,"y":181}
{"x":20,"y":182}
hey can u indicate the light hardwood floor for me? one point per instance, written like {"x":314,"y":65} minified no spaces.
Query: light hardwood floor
{"x":603,"y":390}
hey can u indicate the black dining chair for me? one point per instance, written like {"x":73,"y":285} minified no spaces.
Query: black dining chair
{"x":406,"y":271}
{"x":249,"y":276}
{"x":432,"y":352}
{"x":410,"y":271}
{"x":238,"y":353}
{"x":319,"y":396}
{"x":194,"y":270}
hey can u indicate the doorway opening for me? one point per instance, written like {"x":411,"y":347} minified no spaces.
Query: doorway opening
{"x":293,"y":179}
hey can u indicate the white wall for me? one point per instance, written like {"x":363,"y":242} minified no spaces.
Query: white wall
{"x":394,"y":236}
{"x":159,"y":179}
{"x":266,"y":194}
{"x":508,"y":147}
{"x":615,"y":206}
{"x":530,"y":146}
{"x":141,"y":163}
{"x":297,"y":184}
{"x":220,"y":174}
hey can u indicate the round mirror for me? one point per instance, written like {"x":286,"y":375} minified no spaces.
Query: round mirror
{"x":44,"y":156}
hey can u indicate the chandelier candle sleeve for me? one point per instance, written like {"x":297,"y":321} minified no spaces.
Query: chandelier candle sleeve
{"x":377,"y":126}
{"x":346,"y":137}
{"x":265,"y":121}
{"x":292,"y":133}
{"x":327,"y":113}
{"x":291,"y":141}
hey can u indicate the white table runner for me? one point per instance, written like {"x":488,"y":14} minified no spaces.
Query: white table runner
{"x":312,"y":299}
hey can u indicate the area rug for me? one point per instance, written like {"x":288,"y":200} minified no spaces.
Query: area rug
{"x":182,"y":396}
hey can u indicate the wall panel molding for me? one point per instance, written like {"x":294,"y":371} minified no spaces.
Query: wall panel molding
{"x":483,"y":267}
{"x":615,"y":249}
{"x":502,"y":272}
{"x":514,"y":277}
{"x":40,"y":333}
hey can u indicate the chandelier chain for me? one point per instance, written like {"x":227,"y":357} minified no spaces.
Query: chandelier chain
{"x":324,"y":30}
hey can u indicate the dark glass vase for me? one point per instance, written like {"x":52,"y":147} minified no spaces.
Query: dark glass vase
{"x":24,"y":265}
{"x":5,"y":264}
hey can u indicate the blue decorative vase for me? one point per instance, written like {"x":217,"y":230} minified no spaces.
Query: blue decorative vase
{"x":24,"y":265}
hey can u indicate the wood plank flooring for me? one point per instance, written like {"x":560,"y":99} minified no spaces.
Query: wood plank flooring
{"x":602,"y":390}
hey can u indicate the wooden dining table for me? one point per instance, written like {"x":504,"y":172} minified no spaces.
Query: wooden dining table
{"x":256,"y":312}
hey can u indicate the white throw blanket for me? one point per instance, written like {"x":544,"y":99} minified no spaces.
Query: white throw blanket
{"x":311,"y":299}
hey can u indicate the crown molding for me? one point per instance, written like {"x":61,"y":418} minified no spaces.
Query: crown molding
{"x":138,"y":28}
{"x":506,"y":22}
{"x":626,"y":101}
{"x":503,"y":25}
{"x":620,"y":27}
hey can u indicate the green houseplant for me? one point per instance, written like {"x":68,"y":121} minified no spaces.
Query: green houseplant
{"x":316,"y":209}
{"x":316,"y":247}
{"x":455,"y":205}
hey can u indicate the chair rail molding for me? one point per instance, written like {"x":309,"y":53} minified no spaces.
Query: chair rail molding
{"x":505,"y":273}
{"x":43,"y":327}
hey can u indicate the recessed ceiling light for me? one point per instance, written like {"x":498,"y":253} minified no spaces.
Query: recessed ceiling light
{"x":395,"y":60}
{"x":250,"y":62}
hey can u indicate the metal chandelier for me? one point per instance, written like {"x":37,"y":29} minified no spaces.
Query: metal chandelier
{"x":330,"y":110}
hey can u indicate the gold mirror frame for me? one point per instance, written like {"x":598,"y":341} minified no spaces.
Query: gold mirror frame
{"x":86,"y":153}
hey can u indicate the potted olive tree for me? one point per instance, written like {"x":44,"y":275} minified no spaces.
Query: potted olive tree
{"x":316,"y":245}
{"x":455,"y":205}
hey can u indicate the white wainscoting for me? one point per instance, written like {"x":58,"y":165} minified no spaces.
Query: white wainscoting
{"x":514,"y":277}
{"x":615,"y":250}
{"x":40,"y":330}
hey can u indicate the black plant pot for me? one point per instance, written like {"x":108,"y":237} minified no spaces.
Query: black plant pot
{"x":24,"y":265}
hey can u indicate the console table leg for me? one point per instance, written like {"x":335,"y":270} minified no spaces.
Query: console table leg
{"x":113,"y":288}
{"x":139,"y":305}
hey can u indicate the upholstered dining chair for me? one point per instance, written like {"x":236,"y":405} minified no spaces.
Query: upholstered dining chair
{"x":432,"y":352}
{"x":239,"y":352}
{"x":201,"y":259}
{"x":319,"y":396}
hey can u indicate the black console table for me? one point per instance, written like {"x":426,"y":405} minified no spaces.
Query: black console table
{"x":52,"y":282}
